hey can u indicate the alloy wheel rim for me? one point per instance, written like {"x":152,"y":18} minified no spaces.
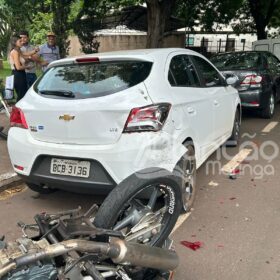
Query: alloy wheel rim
{"x":135,"y":215}
{"x":271,"y":105}
{"x":237,"y":127}
{"x":188,"y":182}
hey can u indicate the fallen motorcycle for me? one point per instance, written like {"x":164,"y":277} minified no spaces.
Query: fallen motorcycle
{"x":132,"y":243}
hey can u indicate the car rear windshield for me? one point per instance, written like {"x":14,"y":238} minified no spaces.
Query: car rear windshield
{"x":237,"y":61}
{"x":92,"y":79}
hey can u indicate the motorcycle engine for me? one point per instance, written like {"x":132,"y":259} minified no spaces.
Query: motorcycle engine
{"x":43,"y":270}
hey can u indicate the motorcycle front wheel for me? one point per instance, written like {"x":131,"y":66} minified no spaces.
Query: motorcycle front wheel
{"x":145,"y":207}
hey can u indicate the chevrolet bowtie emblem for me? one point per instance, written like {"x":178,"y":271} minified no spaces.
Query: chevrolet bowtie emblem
{"x":66,"y":118}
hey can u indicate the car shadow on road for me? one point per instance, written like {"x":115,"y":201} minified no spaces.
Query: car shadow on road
{"x":66,"y":200}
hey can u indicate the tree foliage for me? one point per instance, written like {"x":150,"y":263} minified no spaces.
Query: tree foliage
{"x":263,"y":11}
{"x":88,"y":19}
{"x":83,"y":17}
{"x":39,"y":17}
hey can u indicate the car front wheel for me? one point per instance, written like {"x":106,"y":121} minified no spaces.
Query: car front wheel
{"x":235,"y":135}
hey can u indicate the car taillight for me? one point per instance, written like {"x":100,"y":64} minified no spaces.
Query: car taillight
{"x":252,"y":80}
{"x":17,"y":118}
{"x":149,"y":118}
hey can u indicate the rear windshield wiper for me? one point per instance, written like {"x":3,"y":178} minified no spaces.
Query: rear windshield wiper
{"x":64,"y":93}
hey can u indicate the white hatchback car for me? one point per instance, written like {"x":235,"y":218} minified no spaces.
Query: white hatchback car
{"x":90,"y":122}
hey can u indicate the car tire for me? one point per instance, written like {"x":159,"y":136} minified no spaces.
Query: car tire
{"x":115,"y":207}
{"x":186,"y":170}
{"x":233,"y":140}
{"x":268,"y":111}
{"x":40,"y":189}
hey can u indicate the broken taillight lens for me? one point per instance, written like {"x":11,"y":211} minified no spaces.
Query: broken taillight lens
{"x":149,"y":118}
{"x":17,"y":118}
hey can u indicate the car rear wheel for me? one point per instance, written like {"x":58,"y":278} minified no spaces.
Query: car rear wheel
{"x":186,"y":170}
{"x":235,"y":135}
{"x":40,"y":189}
{"x":268,"y":111}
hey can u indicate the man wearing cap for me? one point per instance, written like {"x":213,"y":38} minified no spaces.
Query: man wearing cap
{"x":49,"y":52}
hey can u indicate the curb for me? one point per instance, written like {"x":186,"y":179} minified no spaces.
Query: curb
{"x":8,"y":179}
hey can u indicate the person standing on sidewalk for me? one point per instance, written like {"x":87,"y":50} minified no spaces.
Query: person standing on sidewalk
{"x":17,"y":61}
{"x":49,"y":52}
{"x":27,"y":47}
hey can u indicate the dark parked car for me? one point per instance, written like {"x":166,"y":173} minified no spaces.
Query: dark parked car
{"x":258,"y":74}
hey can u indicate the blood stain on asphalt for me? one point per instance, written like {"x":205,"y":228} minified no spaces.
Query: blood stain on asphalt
{"x":192,"y":245}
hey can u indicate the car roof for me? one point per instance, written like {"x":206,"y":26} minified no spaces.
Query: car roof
{"x":138,"y":54}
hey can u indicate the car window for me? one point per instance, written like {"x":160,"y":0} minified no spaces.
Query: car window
{"x":181,"y":72}
{"x":237,"y":61}
{"x":273,"y":62}
{"x":94,"y":79}
{"x":210,"y":76}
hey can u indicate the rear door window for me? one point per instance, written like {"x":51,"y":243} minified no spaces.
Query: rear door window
{"x":93,"y":79}
{"x":210,"y":76}
{"x":181,"y":72}
{"x":273,"y":62}
{"x":237,"y":61}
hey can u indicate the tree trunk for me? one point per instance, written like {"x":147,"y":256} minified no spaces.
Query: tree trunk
{"x":61,"y":10}
{"x":261,"y":33}
{"x":158,"y":12}
{"x":262,"y":12}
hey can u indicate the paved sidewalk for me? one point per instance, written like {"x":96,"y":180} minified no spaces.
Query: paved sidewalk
{"x":5,"y":164}
{"x":7,"y":175}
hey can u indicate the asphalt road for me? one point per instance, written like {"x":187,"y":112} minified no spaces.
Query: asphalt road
{"x":236,"y":220}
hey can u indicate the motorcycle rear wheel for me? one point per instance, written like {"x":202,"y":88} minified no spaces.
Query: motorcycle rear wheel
{"x":148,"y":200}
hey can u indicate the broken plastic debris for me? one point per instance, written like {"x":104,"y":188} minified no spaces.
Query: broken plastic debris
{"x":233,"y":173}
{"x":192,"y":245}
{"x":214,"y":184}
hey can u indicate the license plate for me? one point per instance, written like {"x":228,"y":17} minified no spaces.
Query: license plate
{"x":70,"y":167}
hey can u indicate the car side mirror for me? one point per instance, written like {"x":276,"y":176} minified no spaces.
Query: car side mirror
{"x":231,"y":80}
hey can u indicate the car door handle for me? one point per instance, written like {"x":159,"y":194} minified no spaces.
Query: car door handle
{"x":216,"y":103}
{"x":191,"y":110}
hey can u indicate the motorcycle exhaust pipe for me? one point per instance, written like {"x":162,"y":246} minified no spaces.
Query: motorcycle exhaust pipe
{"x":145,"y":256}
{"x":119,"y":251}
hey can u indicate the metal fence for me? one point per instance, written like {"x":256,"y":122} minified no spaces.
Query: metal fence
{"x":209,"y":47}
